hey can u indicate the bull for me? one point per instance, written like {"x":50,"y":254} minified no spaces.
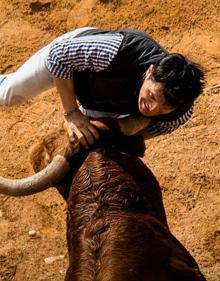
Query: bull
{"x":116,"y":223}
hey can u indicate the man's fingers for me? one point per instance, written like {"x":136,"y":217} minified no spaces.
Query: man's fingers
{"x":82,"y":139}
{"x":91,"y":134}
{"x":72,"y":136}
{"x":77,"y":136}
{"x":94,"y":131}
{"x":88,"y":135}
{"x":69,"y":130}
{"x":83,"y":132}
{"x":76,"y":148}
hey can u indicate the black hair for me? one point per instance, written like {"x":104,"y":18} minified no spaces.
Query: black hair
{"x":183,"y":79}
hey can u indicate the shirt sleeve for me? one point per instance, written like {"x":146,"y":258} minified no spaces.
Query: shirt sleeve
{"x":157,"y":128}
{"x":91,"y":52}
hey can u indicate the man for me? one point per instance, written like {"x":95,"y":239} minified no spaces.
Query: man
{"x":122,"y":74}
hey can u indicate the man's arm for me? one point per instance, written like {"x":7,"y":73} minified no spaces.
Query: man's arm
{"x":149,"y":128}
{"x":65,"y":88}
{"x":136,"y":125}
{"x":75,"y":122}
{"x":157,"y":128}
{"x":133,"y":125}
{"x":77,"y":54}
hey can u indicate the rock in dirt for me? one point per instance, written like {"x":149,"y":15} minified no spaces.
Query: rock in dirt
{"x":38,"y":6}
{"x":52,"y":259}
{"x":32,"y":233}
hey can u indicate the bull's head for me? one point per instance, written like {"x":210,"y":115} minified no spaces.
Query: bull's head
{"x":50,"y":159}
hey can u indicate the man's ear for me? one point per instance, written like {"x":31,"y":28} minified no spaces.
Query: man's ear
{"x":150,"y":70}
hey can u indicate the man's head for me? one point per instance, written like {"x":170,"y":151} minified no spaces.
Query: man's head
{"x":171,"y":82}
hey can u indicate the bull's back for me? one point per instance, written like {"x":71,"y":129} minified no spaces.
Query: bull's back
{"x":110,"y":181}
{"x":117,"y":227}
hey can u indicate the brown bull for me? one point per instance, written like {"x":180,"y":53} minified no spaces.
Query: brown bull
{"x":116,"y":223}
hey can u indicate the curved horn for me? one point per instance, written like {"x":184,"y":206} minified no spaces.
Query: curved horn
{"x":46,"y":178}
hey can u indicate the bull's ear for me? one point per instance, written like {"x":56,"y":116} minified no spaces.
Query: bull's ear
{"x":39,"y":156}
{"x":46,"y":148}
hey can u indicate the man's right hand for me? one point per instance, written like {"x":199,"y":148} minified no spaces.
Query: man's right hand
{"x":80,"y":129}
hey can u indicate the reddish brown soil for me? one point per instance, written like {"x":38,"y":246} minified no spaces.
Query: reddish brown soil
{"x":187,"y":162}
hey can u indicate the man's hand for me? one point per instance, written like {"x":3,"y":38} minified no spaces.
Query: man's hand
{"x":80,"y":129}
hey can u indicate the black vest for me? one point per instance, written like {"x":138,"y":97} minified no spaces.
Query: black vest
{"x":116,"y":88}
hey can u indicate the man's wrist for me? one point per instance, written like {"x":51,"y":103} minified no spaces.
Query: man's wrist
{"x":69,"y":112}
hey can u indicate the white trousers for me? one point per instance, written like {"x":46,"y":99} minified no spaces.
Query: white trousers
{"x":32,"y":77}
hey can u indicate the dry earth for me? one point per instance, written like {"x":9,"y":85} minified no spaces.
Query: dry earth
{"x":186,"y":163}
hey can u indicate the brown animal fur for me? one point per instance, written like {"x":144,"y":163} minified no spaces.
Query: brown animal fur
{"x":116,"y":226}
{"x":116,"y":222}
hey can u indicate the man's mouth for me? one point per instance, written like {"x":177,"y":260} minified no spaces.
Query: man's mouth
{"x":146,"y":106}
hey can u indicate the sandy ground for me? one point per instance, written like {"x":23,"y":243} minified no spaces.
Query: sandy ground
{"x":186,"y":163}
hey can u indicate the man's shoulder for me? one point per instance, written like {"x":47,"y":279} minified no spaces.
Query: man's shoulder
{"x":140,"y":48}
{"x":136,"y":35}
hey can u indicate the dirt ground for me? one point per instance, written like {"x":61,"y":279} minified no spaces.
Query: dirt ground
{"x":186,"y":162}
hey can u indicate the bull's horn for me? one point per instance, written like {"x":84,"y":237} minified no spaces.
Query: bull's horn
{"x":46,"y":178}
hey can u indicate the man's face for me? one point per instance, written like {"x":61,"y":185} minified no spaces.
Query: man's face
{"x":151,"y":100}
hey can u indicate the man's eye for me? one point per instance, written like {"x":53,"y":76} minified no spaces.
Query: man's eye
{"x":151,"y":96}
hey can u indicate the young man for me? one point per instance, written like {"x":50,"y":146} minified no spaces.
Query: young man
{"x":122,"y":74}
